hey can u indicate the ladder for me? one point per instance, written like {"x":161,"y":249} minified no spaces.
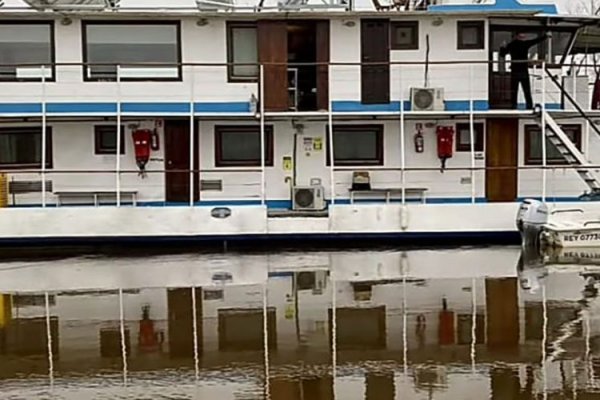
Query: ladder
{"x":570,"y":152}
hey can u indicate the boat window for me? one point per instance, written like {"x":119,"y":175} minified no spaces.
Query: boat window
{"x":358,"y":145}
{"x":143,"y":51}
{"x":533,"y":145}
{"x":242,"y":49}
{"x":22,"y":147}
{"x":470,"y":35}
{"x":24,"y":48}
{"x":239,"y":146}
{"x":463,"y":137}
{"x":405,"y":35}
{"x":105,"y":139}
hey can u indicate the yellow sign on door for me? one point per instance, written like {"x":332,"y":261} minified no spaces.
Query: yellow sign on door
{"x":287,"y":163}
{"x":317,"y":144}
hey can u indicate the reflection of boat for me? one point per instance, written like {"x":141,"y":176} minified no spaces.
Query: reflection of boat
{"x":535,"y":264}
{"x":588,"y":256}
{"x":571,"y":227}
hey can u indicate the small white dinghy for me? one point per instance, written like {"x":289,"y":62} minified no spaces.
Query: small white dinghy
{"x":568,"y":227}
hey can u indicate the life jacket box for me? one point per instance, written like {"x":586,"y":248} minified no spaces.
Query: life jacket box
{"x":361,"y":180}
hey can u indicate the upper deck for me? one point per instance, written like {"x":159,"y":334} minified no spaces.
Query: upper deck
{"x":103,"y":57}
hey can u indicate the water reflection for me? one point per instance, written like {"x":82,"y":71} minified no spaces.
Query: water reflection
{"x":420,"y":324}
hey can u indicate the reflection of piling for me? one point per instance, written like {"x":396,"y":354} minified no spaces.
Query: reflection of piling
{"x":3,"y":190}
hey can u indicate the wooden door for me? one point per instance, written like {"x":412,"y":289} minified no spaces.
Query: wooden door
{"x":501,"y":151}
{"x":375,"y":48}
{"x":273,"y":52}
{"x":177,"y":161}
{"x":322,"y":30}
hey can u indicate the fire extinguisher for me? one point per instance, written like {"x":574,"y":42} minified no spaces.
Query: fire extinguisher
{"x":141,"y":144}
{"x":419,"y":139}
{"x":445,"y":144}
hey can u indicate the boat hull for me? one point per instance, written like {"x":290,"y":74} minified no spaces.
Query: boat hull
{"x":571,"y":238}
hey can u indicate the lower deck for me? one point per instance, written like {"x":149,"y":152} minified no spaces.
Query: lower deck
{"x":206,"y":179}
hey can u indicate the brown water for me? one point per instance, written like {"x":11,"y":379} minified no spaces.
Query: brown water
{"x":420,"y":324}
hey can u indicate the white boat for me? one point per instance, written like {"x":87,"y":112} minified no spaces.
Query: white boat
{"x":560,"y":227}
{"x":218,"y":144}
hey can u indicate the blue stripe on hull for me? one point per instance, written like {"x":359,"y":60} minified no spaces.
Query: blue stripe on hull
{"x":225,"y":107}
{"x":111,"y":108}
{"x":287,"y":204}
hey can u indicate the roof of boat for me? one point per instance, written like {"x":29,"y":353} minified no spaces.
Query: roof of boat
{"x":280,"y":9}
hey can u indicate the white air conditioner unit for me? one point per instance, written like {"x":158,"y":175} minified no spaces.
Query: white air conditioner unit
{"x":312,"y":280}
{"x":308,"y":198}
{"x":427,"y":99}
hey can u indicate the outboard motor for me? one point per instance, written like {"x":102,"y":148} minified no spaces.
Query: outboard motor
{"x":531,"y":217}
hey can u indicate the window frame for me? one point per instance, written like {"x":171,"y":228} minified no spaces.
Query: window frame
{"x":478,"y":131}
{"x":379,"y":132}
{"x":479,"y":24}
{"x":528,"y":129}
{"x":84,"y":37}
{"x":99,"y":130}
{"x":52,"y":66}
{"x":230,"y":26}
{"x":414,"y":26}
{"x":250,"y":129}
{"x":30,"y":129}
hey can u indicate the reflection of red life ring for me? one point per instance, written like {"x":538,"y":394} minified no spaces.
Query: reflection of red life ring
{"x":446,"y":328}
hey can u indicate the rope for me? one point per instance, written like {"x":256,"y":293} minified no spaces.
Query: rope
{"x":123,"y":348}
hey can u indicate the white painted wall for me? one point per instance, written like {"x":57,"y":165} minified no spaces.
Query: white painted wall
{"x":207,"y":44}
{"x":454,"y":79}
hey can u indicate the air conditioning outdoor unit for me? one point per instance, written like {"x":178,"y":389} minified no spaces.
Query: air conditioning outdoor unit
{"x":427,"y":99}
{"x":308,"y":198}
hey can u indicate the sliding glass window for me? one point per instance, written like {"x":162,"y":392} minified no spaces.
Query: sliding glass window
{"x":144,"y":51}
{"x":24,"y":49}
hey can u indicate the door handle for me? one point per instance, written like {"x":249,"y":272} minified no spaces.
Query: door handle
{"x":169,"y":162}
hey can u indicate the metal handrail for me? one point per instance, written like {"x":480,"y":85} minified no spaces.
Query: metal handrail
{"x":537,"y":62}
{"x":227,"y":170}
{"x":567,"y":210}
{"x":573,"y":101}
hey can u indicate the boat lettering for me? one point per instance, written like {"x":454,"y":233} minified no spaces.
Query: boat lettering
{"x":582,"y":237}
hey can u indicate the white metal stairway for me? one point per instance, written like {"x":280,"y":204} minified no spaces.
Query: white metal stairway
{"x":570,"y":152}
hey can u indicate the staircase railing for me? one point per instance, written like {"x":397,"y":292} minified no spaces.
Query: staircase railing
{"x":564,"y":92}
